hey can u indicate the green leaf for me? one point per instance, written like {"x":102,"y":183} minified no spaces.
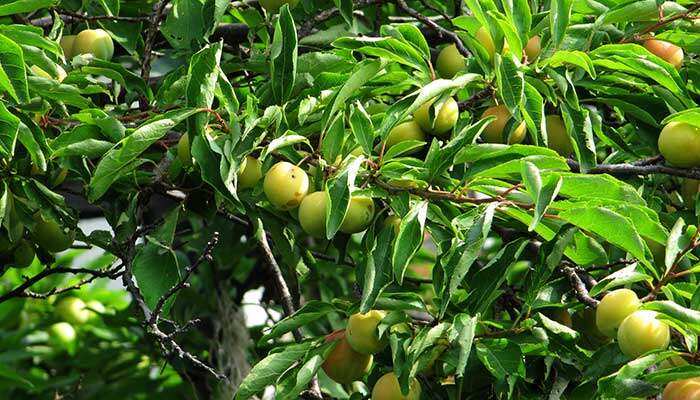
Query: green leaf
{"x":638,"y":10}
{"x":283,"y":56}
{"x":156,"y":271}
{"x":202,"y":73}
{"x":377,"y":269}
{"x":9,"y":128}
{"x":543,"y":195}
{"x":10,"y":7}
{"x":13,"y":77}
{"x":362,"y":127}
{"x":501,"y":357}
{"x":310,"y":312}
{"x":363,"y":72}
{"x":465,"y":326}
{"x":338,"y":196}
{"x":409,"y":239}
{"x":559,"y":15}
{"x":511,"y":82}
{"x":573,"y":57}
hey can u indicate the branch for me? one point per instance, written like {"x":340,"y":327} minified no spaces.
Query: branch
{"x":665,"y":21}
{"x":442,"y":32}
{"x":476,"y":98}
{"x":579,"y":287}
{"x":70,"y":17}
{"x":308,"y":26}
{"x":641,"y":167}
{"x":154,"y":21}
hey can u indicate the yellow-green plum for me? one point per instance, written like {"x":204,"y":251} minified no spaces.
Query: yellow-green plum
{"x":450,"y":62}
{"x":96,"y":42}
{"x":516,"y":273}
{"x":183,"y":149}
{"x":73,"y":310}
{"x":614,"y":308}
{"x":250,"y":173}
{"x":444,"y":120}
{"x":67,"y":42}
{"x":684,"y":389}
{"x":679,"y":143}
{"x":359,"y":215}
{"x":533,"y":47}
{"x":493,"y":133}
{"x":671,"y":53}
{"x":61,"y":335}
{"x":641,"y":332}
{"x":362,"y":333}
{"x":557,"y":138}
{"x":387,"y":388}
{"x":50,"y":236}
{"x":24,"y":254}
{"x":409,"y":130}
{"x":689,"y":189}
{"x":95,"y":308}
{"x":483,"y":36}
{"x":274,"y":6}
{"x":285,"y":185}
{"x":343,"y":364}
{"x":312,"y":214}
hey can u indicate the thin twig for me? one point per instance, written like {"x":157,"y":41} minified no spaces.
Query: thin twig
{"x":642,"y":167}
{"x":579,"y":287}
{"x":442,"y":32}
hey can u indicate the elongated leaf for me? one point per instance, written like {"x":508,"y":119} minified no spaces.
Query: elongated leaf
{"x":409,"y":239}
{"x":338,"y":196}
{"x":283,"y":55}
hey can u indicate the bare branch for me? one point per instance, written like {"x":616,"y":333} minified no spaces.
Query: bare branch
{"x":579,"y":287}
{"x":642,"y":167}
{"x":442,"y":32}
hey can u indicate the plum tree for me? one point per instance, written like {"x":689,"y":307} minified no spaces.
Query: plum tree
{"x":445,"y":119}
{"x":285,"y":185}
{"x":493,"y":133}
{"x":359,"y":215}
{"x":23,"y":255}
{"x":679,"y":143}
{"x":684,"y":389}
{"x":409,"y":130}
{"x":273,"y":6}
{"x":343,"y":364}
{"x":533,"y":47}
{"x":312,"y":214}
{"x":72,"y":310}
{"x":96,"y":42}
{"x":387,"y":388}
{"x":483,"y":36}
{"x":250,"y":173}
{"x":362,"y":333}
{"x":614,"y":308}
{"x":51,"y":236}
{"x":67,"y":42}
{"x":557,"y":138}
{"x":62,"y":336}
{"x":450,"y":62}
{"x":641,"y":332}
{"x":668,"y":51}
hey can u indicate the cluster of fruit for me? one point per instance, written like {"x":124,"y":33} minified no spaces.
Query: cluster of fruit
{"x":352,"y":356}
{"x":72,"y":311}
{"x":48,"y":235}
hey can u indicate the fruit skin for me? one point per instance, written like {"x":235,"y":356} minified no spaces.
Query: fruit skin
{"x":312,"y":214}
{"x":343,"y":364}
{"x":641,"y":332}
{"x":445,"y":119}
{"x":516,"y":273}
{"x":183,"y":149}
{"x":690,"y":188}
{"x":285,"y":185}
{"x":95,"y":308}
{"x":494,"y":131}
{"x":96,"y":42}
{"x":668,"y":51}
{"x":533,"y":47}
{"x":273,"y":6}
{"x":614,"y":308}
{"x":583,"y":321}
{"x":684,"y":389}
{"x":24,"y":254}
{"x":483,"y":36}
{"x":250,"y":173}
{"x":73,"y":310}
{"x":679,"y":143}
{"x":67,"y":42}
{"x":557,"y":139}
{"x":450,"y":62}
{"x":62,"y":335}
{"x":387,"y":388}
{"x":361,"y":332}
{"x":50,"y":236}
{"x":359,"y":215}
{"x":409,"y":130}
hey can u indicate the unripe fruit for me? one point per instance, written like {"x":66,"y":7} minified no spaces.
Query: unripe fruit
{"x":388,"y":388}
{"x":402,"y":132}
{"x":493,"y":133}
{"x":359,"y":215}
{"x":95,"y":308}
{"x":614,"y":308}
{"x":557,"y":139}
{"x":450,"y":62}
{"x":312,"y":214}
{"x":394,"y":221}
{"x":273,"y":6}
{"x":533,"y":47}
{"x":67,"y":42}
{"x":689,"y":189}
{"x":285,"y":185}
{"x":515,"y":276}
{"x":679,"y":143}
{"x":641,"y":332}
{"x":73,"y":310}
{"x":250,"y":173}
{"x":361,"y":332}
{"x":50,"y":236}
{"x":343,"y":364}
{"x":96,"y":42}
{"x":684,"y":389}
{"x":183,"y":149}
{"x":61,"y":335}
{"x":444,"y":120}
{"x":668,"y":51}
{"x":483,"y":36}
{"x":23,"y":255}
{"x":60,"y":73}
